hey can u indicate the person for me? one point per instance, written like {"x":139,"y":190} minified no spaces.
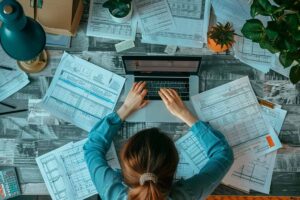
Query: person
{"x":149,"y":158}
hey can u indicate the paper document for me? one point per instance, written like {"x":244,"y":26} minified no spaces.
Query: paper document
{"x":252,"y":54}
{"x":39,"y":116}
{"x":65,"y":172}
{"x":82,"y":93}
{"x":100,"y":24}
{"x":256,"y":174}
{"x":154,"y":16}
{"x":192,"y":156}
{"x":234,"y":110}
{"x":11,"y":81}
{"x":191,"y":20}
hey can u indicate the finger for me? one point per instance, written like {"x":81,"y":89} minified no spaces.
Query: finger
{"x":141,"y":86}
{"x":166,"y":94}
{"x":145,"y":103}
{"x":175,"y":93}
{"x":169,"y":91}
{"x":163,"y":97}
{"x":134,"y":86}
{"x":137,"y":85}
{"x":144,"y":93}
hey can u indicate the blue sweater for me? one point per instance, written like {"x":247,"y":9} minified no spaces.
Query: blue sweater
{"x":110,"y":185}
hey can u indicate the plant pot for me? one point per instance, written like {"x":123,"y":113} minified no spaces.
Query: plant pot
{"x":122,"y":19}
{"x":213,"y":46}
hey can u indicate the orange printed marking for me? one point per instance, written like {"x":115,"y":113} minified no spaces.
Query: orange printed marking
{"x":270,"y":141}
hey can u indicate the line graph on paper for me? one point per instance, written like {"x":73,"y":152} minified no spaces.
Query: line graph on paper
{"x":55,"y":178}
{"x":77,"y":171}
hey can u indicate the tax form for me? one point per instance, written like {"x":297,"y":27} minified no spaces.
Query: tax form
{"x":65,"y":172}
{"x":154,"y":15}
{"x":82,"y":93}
{"x":252,"y":54}
{"x":100,"y":24}
{"x":192,"y":156}
{"x":191,"y":20}
{"x":234,"y":110}
{"x":257,"y":174}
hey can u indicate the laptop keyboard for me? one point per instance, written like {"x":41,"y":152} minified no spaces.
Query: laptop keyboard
{"x":153,"y":85}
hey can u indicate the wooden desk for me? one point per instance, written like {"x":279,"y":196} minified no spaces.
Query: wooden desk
{"x":30,"y":141}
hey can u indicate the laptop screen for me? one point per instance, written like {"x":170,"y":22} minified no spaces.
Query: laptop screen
{"x":148,"y":64}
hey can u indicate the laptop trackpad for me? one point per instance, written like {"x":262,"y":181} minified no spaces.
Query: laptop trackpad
{"x":156,"y":111}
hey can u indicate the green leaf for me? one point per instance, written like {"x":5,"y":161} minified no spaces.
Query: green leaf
{"x":289,"y":4}
{"x":295,"y":74}
{"x":290,"y":44}
{"x":267,"y":6}
{"x":292,"y":22}
{"x":253,"y":29}
{"x":286,"y":59}
{"x":272,"y":34}
{"x":266,"y":44}
{"x":296,"y":35}
{"x":257,"y":9}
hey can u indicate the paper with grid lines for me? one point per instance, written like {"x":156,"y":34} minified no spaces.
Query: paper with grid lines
{"x":233,"y":109}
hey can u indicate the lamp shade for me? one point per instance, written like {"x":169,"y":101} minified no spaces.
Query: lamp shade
{"x":21,"y":37}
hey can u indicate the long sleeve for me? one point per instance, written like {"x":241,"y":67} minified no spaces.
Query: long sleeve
{"x":220,"y":159}
{"x":108,"y":182}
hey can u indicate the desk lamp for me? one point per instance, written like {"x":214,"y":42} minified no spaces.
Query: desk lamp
{"x":21,"y":37}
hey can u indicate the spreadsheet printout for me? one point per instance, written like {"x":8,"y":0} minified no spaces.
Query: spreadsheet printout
{"x":66,"y":174}
{"x":191,"y":20}
{"x":100,"y":24}
{"x":82,"y":93}
{"x":257,"y":174}
{"x":234,"y":110}
{"x":192,"y":156}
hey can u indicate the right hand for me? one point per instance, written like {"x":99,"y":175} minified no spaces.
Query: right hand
{"x":176,"y":106}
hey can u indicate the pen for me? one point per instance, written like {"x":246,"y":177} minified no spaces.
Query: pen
{"x":10,"y":106}
{"x":7,"y":68}
{"x":15,"y":111}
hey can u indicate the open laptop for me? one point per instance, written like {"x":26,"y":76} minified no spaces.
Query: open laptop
{"x":179,"y":73}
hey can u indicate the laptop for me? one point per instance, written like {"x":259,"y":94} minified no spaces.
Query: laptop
{"x":179,"y":73}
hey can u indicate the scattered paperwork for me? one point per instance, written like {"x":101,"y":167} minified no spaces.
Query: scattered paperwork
{"x":154,"y":16}
{"x":65,"y":172}
{"x":82,"y":93}
{"x":191,"y":20}
{"x":256,"y":174}
{"x":234,"y":110}
{"x":100,"y":24}
{"x":11,"y":81}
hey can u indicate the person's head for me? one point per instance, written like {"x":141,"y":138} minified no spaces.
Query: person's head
{"x":149,"y":151}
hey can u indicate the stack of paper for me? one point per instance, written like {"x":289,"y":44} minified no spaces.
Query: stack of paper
{"x":249,"y":129}
{"x":65,"y":172}
{"x":167,"y":22}
{"x":82,"y":93}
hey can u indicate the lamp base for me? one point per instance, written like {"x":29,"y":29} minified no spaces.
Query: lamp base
{"x":35,"y":65}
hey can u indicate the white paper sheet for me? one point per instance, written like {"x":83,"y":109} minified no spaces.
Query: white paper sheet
{"x":277,"y":67}
{"x":251,"y":54}
{"x":257,"y":174}
{"x":191,"y":23}
{"x":82,"y":93}
{"x":234,"y":110}
{"x":65,"y":172}
{"x":100,"y":24}
{"x":192,"y":156}
{"x":154,"y":15}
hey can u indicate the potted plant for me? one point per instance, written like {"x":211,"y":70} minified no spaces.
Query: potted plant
{"x":220,"y":37}
{"x":119,"y":10}
{"x":281,"y":35}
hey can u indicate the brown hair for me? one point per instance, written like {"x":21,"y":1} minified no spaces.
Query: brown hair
{"x":149,"y":151}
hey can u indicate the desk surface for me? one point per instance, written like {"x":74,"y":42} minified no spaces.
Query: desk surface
{"x":30,"y":141}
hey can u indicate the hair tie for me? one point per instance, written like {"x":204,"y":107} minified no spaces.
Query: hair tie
{"x":148,"y":177}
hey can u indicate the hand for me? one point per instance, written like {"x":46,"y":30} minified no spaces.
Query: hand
{"x":176,"y":106}
{"x":134,"y":100}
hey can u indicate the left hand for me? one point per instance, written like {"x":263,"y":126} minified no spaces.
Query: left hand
{"x":134,"y":100}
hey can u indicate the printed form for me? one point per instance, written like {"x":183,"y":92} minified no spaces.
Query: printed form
{"x":154,"y":15}
{"x":191,"y":20}
{"x":82,"y":93}
{"x":234,"y":110}
{"x":257,"y":174}
{"x":65,"y":172}
{"x":100,"y":24}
